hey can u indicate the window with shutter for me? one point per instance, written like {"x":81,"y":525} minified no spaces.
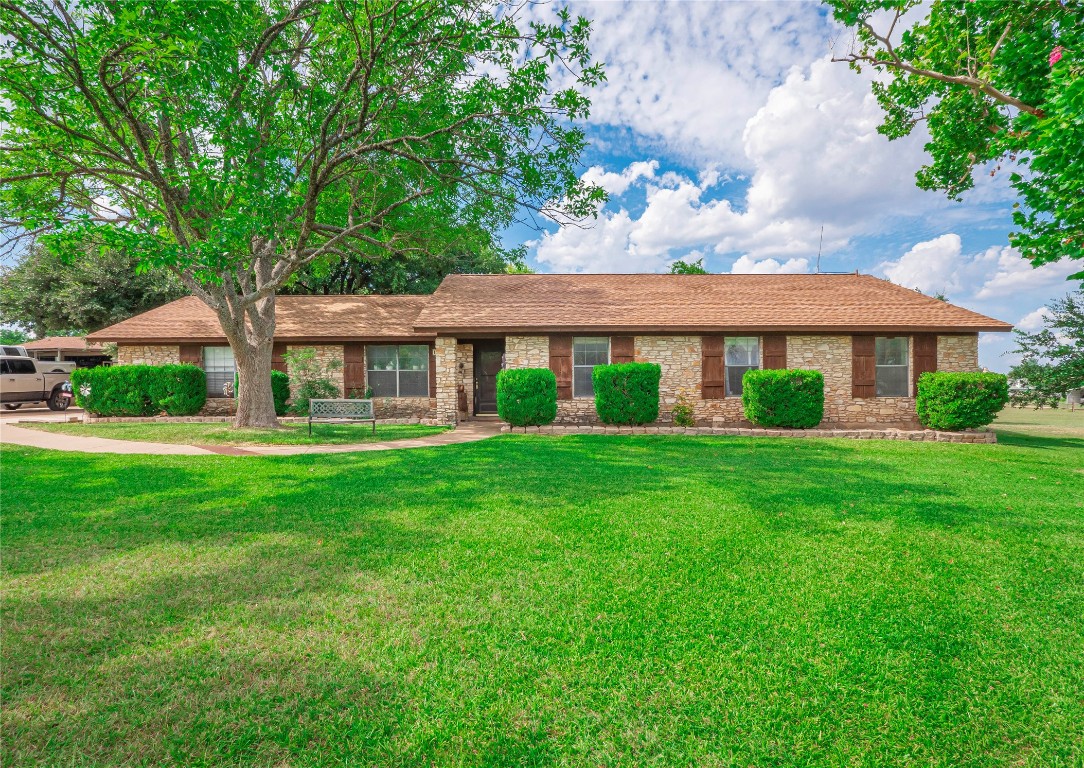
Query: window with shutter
{"x":354,"y":369}
{"x":925,"y":355}
{"x":863,"y":367}
{"x":775,"y":351}
{"x":561,"y":365}
{"x":622,"y":349}
{"x":713,"y":368}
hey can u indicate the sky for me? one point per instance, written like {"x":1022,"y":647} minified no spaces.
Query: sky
{"x":725,"y":132}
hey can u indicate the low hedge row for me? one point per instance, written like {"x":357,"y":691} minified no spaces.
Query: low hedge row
{"x":952,"y":401}
{"x":783,"y":398}
{"x":627,"y":393}
{"x":140,"y":390}
{"x":527,"y":397}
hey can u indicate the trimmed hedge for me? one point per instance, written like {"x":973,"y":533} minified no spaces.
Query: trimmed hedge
{"x":627,"y":393}
{"x":280,"y":391}
{"x":140,"y":390}
{"x":960,"y":400}
{"x":783,"y":398}
{"x":527,"y":397}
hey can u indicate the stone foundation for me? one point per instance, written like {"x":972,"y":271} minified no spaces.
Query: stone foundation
{"x":219,"y":406}
{"x":138,"y":354}
{"x":404,"y":407}
{"x":915,"y":435}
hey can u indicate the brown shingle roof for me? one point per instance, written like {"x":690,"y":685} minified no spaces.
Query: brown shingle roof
{"x":475,"y":304}
{"x":66,"y":343}
{"x":300,"y":318}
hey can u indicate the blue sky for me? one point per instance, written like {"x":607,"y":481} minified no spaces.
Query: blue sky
{"x":724,"y":132}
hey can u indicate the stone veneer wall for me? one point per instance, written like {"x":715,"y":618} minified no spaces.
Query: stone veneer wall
{"x":140,"y":354}
{"x":464,"y":356}
{"x":446,"y":355}
{"x":527,"y":352}
{"x":325,"y":355}
{"x":959,"y":353}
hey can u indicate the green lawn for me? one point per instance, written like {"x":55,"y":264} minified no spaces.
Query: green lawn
{"x":1055,"y":422}
{"x":291,"y":433}
{"x":534,"y":601}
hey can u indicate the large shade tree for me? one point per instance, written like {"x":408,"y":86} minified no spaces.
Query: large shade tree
{"x":56,"y":294}
{"x":997,"y":83}
{"x":233,"y":143}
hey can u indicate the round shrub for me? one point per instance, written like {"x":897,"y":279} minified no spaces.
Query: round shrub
{"x":179,"y":390}
{"x":627,"y":393}
{"x":140,"y":390}
{"x":960,"y":400}
{"x":527,"y":397}
{"x":783,"y":398}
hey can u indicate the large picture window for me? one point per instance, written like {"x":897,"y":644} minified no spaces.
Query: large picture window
{"x":398,"y":370}
{"x":587,"y":352}
{"x":220,"y":367}
{"x":891,"y":357}
{"x":742,"y":354}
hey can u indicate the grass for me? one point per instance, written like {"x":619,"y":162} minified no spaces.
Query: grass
{"x":211,"y":433}
{"x":1056,"y":422}
{"x":536,"y":601}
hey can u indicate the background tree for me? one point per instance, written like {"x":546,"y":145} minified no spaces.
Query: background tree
{"x":234,"y":143}
{"x":1052,"y":361}
{"x":680,"y":267}
{"x":53,"y":295}
{"x":995,"y":81}
{"x":12,"y":336}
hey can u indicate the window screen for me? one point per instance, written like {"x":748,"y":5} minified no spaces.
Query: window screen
{"x":742,"y":354}
{"x":398,"y":370}
{"x":587,"y":352}
{"x":220,"y":367}
{"x":892,"y":368}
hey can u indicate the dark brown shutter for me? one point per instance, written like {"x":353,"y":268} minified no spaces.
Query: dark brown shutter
{"x":622,"y":349}
{"x":278,"y":356}
{"x":863,"y":366}
{"x":354,"y":367}
{"x":561,"y":365}
{"x":713,"y":372}
{"x":775,"y":351}
{"x":925,"y":355}
{"x":433,"y":371}
{"x":192,"y":354}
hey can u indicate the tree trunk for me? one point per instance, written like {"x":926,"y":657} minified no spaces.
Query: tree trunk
{"x":251,"y":333}
{"x":255,"y":403}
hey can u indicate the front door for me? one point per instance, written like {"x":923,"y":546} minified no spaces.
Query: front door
{"x":488,"y":360}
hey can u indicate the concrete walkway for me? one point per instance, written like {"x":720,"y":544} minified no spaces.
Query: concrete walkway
{"x":11,"y":434}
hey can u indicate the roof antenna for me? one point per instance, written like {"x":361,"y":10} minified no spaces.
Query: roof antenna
{"x":819,"y":249}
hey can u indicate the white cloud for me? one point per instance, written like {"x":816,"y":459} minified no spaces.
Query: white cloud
{"x":689,"y":75}
{"x":818,"y":162}
{"x":1034,"y":321}
{"x":929,"y":266}
{"x":618,"y":183}
{"x":746,"y":266}
{"x":1013,"y":274}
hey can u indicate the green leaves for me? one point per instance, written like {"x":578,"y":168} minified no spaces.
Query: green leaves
{"x":979,"y":74}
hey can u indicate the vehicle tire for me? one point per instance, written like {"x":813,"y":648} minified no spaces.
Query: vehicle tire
{"x":56,"y":402}
{"x":12,"y":406}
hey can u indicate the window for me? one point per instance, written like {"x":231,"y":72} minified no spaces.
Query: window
{"x":587,"y":352}
{"x":24,"y":365}
{"x":398,"y":370}
{"x":891,"y":359}
{"x":742,"y":354}
{"x":220,"y":367}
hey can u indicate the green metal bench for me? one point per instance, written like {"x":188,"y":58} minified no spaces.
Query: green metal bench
{"x":341,"y":411}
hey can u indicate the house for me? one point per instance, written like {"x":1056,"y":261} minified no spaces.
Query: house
{"x":438,"y":356}
{"x":71,"y":348}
